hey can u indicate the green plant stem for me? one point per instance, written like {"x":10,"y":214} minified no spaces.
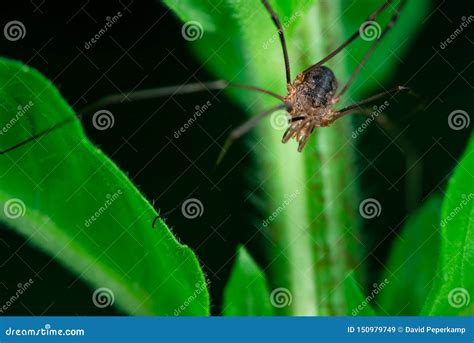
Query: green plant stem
{"x":313,"y":245}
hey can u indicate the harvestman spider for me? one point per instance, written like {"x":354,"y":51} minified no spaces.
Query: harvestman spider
{"x":310,"y":99}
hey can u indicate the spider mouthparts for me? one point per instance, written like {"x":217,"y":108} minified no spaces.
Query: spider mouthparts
{"x":301,"y":144}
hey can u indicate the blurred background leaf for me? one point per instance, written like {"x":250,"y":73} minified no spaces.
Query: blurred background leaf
{"x":246,"y":293}
{"x":52,"y":187}
{"x":357,"y":303}
{"x":454,"y":282}
{"x":409,"y":268}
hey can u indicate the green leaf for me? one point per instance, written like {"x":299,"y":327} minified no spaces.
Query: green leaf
{"x":454,"y":285}
{"x":67,"y":198}
{"x":410,"y":265}
{"x":314,"y":192}
{"x":357,"y":303}
{"x":246,"y":292}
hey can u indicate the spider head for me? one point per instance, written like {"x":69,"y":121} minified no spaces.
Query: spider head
{"x":312,"y":93}
{"x":309,"y":102}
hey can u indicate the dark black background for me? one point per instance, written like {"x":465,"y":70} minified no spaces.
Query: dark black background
{"x":156,"y":55}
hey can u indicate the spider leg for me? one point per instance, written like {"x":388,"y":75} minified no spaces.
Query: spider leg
{"x":244,"y":128}
{"x":40,"y":134}
{"x":293,"y":129}
{"x":349,"y":109}
{"x":300,"y":130}
{"x":282,"y":38}
{"x":153,"y":93}
{"x":303,"y":139}
{"x":356,"y":34}
{"x":371,"y":50}
{"x":146,"y":94}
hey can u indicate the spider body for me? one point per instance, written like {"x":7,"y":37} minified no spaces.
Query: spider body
{"x":311,"y":98}
{"x":310,"y":103}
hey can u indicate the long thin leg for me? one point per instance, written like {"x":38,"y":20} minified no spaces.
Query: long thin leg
{"x":171,"y":90}
{"x":282,"y":39}
{"x":244,"y":128}
{"x":146,"y":94}
{"x":369,"y":52}
{"x":349,"y":109}
{"x":413,"y":167}
{"x":356,"y":34}
{"x":39,"y":135}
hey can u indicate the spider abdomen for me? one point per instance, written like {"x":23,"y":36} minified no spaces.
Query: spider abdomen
{"x":320,"y":86}
{"x":312,"y":94}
